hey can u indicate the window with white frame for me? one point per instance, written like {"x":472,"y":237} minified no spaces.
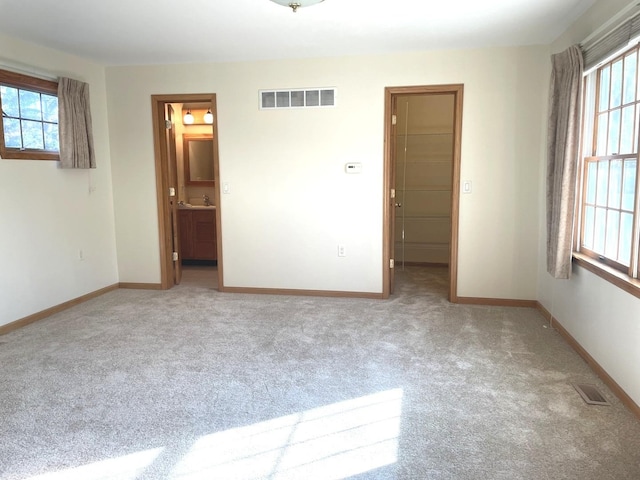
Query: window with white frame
{"x":29,"y":121}
{"x":609,"y":216}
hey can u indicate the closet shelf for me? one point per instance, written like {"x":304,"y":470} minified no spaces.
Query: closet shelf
{"x":416,"y":244}
{"x":449,"y":134}
{"x":446,"y":160}
{"x":433,"y":188}
{"x":423,"y":217}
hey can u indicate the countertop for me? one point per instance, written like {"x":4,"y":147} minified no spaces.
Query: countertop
{"x":188,"y":206}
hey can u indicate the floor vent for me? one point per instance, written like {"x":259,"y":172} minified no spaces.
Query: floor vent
{"x":590,"y":394}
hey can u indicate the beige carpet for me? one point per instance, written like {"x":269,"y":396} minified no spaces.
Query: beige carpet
{"x":194,"y":384}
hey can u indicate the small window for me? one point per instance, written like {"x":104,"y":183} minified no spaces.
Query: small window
{"x":29,"y":121}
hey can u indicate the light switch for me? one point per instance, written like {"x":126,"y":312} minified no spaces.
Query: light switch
{"x":225,"y":187}
{"x":466,"y":186}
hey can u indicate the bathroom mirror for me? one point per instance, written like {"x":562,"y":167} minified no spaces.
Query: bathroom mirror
{"x":198,"y":159}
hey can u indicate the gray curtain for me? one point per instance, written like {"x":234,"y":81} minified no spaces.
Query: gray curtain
{"x":562,"y":158}
{"x":74,"y":124}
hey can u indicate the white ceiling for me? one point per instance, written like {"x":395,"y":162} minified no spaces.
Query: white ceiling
{"x":128,"y":32}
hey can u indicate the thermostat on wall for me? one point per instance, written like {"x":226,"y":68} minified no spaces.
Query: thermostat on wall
{"x":353,"y":167}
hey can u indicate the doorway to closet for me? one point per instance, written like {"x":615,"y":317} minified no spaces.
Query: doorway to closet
{"x":422,"y":178}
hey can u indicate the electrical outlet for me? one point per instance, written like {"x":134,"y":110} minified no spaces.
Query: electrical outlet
{"x":342,"y":251}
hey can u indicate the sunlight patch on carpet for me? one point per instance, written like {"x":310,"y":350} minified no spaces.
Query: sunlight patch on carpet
{"x":127,"y":467}
{"x":331,"y":442}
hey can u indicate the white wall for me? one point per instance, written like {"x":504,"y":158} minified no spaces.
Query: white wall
{"x":48,"y":214}
{"x":291,"y":203}
{"x":601,"y":317}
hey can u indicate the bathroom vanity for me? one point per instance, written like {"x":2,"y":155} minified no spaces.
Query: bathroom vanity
{"x":197,"y":233}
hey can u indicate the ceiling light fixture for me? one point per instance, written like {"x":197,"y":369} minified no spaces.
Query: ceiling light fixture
{"x":208,"y":117}
{"x":294,"y":5}
{"x":188,"y":118}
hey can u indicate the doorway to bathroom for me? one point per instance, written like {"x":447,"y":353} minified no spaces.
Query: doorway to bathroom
{"x":186,"y":152}
{"x":422,"y":178}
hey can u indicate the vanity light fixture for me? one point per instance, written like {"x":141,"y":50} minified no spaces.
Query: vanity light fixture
{"x":188,"y":118}
{"x":295,"y":4}
{"x":208,"y":117}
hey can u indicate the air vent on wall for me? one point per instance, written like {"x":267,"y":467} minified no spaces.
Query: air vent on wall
{"x":298,"y":98}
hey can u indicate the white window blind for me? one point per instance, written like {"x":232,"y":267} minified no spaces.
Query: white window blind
{"x":598,"y":49}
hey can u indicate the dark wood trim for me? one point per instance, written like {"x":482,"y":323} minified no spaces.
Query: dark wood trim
{"x":388,"y":178}
{"x":19,"y":80}
{"x":307,"y":293}
{"x":617,"y":390}
{"x":162,"y":188}
{"x":455,"y":193}
{"x":390,"y":92}
{"x":496,"y":302}
{"x":53,"y":310}
{"x":610,"y":274}
{"x":14,"y":154}
{"x":141,"y":286}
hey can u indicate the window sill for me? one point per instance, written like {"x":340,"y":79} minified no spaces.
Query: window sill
{"x":22,"y":155}
{"x":611,"y":275}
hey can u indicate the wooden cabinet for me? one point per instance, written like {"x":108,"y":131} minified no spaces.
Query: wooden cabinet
{"x":197,"y":234}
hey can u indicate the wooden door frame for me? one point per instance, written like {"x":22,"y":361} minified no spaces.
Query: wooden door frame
{"x":158,"y":103}
{"x":457,"y":91}
{"x":172,"y":162}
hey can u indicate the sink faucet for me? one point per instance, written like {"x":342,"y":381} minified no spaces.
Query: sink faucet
{"x":207,"y":202}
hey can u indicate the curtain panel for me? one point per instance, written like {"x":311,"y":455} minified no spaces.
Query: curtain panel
{"x":74,"y":123}
{"x":562,"y":158}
